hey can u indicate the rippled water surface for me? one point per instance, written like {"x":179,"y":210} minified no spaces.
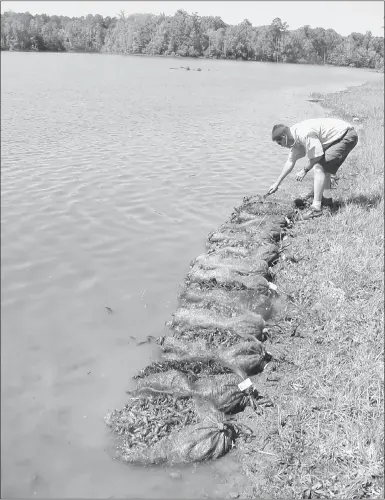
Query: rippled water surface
{"x":113,"y":171}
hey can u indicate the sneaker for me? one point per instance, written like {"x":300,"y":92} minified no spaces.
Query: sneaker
{"x":327,"y":202}
{"x":312,"y":214}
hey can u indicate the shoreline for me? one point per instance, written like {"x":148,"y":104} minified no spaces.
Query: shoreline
{"x":323,"y":437}
{"x":198,"y":58}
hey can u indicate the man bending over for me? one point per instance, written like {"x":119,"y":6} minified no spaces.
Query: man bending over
{"x":326,"y":142}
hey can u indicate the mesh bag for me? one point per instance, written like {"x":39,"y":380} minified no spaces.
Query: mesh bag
{"x":189,"y":367}
{"x":210,"y":439}
{"x":229,"y":251}
{"x":227,"y":302}
{"x":180,"y":349}
{"x":244,"y":266}
{"x":246,"y":358}
{"x":263,"y":251}
{"x":257,"y":205}
{"x":214,"y":336}
{"x":176,"y":413}
{"x":263,"y":229}
{"x":224,"y":391}
{"x":270,"y":235}
{"x":170,"y":382}
{"x":146,"y":420}
{"x":267,"y":252}
{"x":255,"y":223}
{"x":246,"y":325}
{"x":239,"y":239}
{"x":225,"y":278}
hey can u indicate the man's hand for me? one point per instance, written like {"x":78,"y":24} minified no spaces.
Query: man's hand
{"x":300,"y":175}
{"x":273,"y":188}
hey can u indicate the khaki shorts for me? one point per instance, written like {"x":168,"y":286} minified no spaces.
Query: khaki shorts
{"x":337,"y":152}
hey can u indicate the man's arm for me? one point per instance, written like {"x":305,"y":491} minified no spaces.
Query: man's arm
{"x":287,"y":168}
{"x":311,"y":163}
{"x":314,"y":151}
{"x":301,"y":174}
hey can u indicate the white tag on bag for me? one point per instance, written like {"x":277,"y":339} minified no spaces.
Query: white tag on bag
{"x":245,"y":384}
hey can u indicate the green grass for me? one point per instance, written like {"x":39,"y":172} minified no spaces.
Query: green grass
{"x":324,"y":436}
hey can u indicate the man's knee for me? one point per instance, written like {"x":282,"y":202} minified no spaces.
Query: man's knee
{"x":318,"y":168}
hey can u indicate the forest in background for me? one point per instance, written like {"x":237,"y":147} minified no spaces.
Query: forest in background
{"x":189,"y":35}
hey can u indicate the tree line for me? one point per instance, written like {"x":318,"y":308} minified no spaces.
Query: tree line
{"x":190,"y":35}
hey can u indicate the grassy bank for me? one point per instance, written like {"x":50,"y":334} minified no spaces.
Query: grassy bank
{"x":323,"y":438}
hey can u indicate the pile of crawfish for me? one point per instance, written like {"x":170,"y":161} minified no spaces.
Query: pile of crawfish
{"x":185,"y":406}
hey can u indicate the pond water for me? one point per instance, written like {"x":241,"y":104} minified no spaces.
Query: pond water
{"x":114,"y":169}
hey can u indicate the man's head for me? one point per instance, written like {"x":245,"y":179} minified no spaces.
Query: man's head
{"x":281,"y":135}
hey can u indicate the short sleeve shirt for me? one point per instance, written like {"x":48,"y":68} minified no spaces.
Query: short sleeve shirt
{"x":311,"y":136}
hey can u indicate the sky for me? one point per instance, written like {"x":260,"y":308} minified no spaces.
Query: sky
{"x":342,"y":16}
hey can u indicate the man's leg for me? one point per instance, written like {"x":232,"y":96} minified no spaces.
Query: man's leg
{"x":319,"y":183}
{"x":327,"y":199}
{"x":333,"y":158}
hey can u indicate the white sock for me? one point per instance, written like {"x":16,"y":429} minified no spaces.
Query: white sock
{"x":316,"y":205}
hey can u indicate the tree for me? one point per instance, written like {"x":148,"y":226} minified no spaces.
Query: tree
{"x":278,"y":31}
{"x":189,"y":35}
